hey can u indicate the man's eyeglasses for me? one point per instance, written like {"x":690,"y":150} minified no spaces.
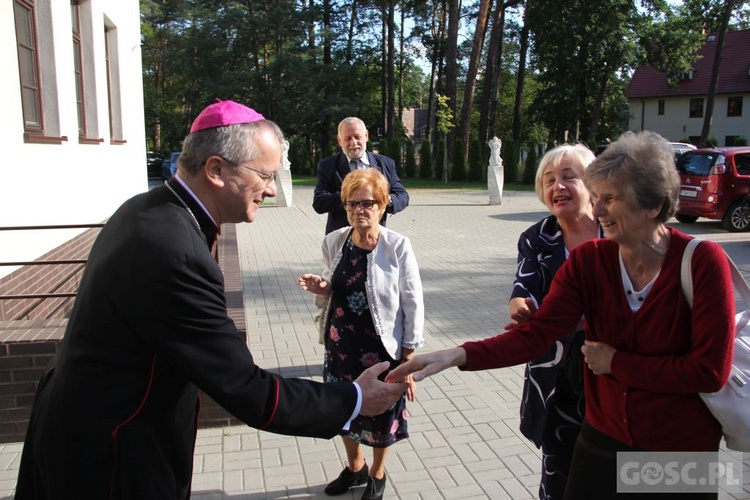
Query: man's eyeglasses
{"x":350,"y":206}
{"x":267,"y":177}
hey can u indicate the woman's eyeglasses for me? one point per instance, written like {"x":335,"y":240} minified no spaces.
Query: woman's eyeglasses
{"x":350,"y":206}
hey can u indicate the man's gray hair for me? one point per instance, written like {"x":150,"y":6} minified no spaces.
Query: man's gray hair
{"x":348,"y":121}
{"x":236,"y":143}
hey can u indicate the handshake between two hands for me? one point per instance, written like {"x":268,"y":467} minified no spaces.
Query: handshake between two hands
{"x":378,"y":396}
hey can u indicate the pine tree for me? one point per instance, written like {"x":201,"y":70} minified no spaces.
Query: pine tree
{"x":425,"y":160}
{"x":394,"y":148}
{"x":509,"y":154}
{"x":476,"y":170}
{"x":458,"y":170}
{"x":529,"y":169}
{"x":410,"y":166}
{"x":439,"y":163}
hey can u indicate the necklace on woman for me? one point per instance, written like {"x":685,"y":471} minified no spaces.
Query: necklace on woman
{"x":183,"y":204}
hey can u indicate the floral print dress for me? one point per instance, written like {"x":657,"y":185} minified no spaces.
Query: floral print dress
{"x":352,"y":345}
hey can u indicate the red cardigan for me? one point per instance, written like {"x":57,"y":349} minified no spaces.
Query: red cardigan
{"x":666,"y":352}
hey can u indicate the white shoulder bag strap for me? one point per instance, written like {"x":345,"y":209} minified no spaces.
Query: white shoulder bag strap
{"x":686,"y":278}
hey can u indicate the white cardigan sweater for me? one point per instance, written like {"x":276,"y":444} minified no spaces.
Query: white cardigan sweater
{"x":394,"y":288}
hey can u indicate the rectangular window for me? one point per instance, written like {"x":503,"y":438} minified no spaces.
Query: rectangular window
{"x":696,"y":108}
{"x":78,"y":68}
{"x":37,"y":71}
{"x":112,"y":88}
{"x":661,"y":106}
{"x":112,"y":67}
{"x":734,"y":106}
{"x":28,"y":66}
{"x":742,"y":162}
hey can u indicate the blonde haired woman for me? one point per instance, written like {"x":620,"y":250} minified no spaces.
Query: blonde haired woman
{"x":552,"y":402}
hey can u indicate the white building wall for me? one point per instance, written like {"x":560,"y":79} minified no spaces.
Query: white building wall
{"x":675,"y":124}
{"x":69,"y":183}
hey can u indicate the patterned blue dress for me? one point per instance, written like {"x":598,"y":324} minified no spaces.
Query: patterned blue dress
{"x":352,"y":345}
{"x":552,"y":402}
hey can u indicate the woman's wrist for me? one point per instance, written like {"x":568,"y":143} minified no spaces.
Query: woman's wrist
{"x":458,"y":357}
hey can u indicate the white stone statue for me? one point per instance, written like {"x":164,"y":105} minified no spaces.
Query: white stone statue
{"x":285,"y":164}
{"x":495,"y":172}
{"x":284,"y":179}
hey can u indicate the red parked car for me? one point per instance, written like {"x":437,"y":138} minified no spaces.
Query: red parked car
{"x":713,"y":184}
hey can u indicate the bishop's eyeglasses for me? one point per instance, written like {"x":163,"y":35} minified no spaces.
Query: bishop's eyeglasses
{"x":268,"y":177}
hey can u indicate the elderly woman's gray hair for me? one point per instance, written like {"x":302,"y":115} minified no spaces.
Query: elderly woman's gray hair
{"x":236,"y":143}
{"x":579,"y":155}
{"x":642,"y":166}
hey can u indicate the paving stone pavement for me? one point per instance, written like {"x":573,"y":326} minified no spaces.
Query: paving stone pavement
{"x":464,"y":442}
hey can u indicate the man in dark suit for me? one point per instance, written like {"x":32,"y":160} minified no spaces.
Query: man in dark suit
{"x":115,"y":415}
{"x":352,"y":137}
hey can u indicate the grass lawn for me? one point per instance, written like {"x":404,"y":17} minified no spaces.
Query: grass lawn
{"x":302,"y":180}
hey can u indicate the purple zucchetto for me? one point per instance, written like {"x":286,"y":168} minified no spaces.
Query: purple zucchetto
{"x":223,"y":113}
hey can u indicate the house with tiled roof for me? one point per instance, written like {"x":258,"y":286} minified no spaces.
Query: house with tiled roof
{"x":415,"y":124}
{"x":677,"y":112}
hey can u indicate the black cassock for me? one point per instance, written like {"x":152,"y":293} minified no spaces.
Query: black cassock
{"x":115,"y":415}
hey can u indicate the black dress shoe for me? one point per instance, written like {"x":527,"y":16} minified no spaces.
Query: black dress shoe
{"x":374,"y":489}
{"x":346,"y":480}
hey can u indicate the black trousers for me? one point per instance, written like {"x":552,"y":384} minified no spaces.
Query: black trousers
{"x":593,"y":471}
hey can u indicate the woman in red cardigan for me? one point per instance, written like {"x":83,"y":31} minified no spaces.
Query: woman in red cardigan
{"x":648,"y":353}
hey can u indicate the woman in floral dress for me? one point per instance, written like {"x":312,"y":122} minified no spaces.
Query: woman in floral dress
{"x":371,"y":293}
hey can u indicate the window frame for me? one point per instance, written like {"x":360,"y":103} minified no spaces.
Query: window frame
{"x":734,"y":106}
{"x":35,"y":127}
{"x":112,"y":69}
{"x":693,"y":112}
{"x":78,"y":68}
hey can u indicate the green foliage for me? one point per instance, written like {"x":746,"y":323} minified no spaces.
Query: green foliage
{"x":711,"y":142}
{"x":394,"y":148}
{"x":740,"y":141}
{"x":707,"y":14}
{"x":582,"y":49}
{"x":509,"y":154}
{"x":458,"y":165}
{"x":477,"y":171}
{"x":307,"y":65}
{"x":410,"y":165}
{"x":531,"y":164}
{"x":384,"y":148}
{"x":444,"y":115}
{"x":273,"y":55}
{"x":425,"y":160}
{"x":299,"y":156}
{"x":670,"y":43}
